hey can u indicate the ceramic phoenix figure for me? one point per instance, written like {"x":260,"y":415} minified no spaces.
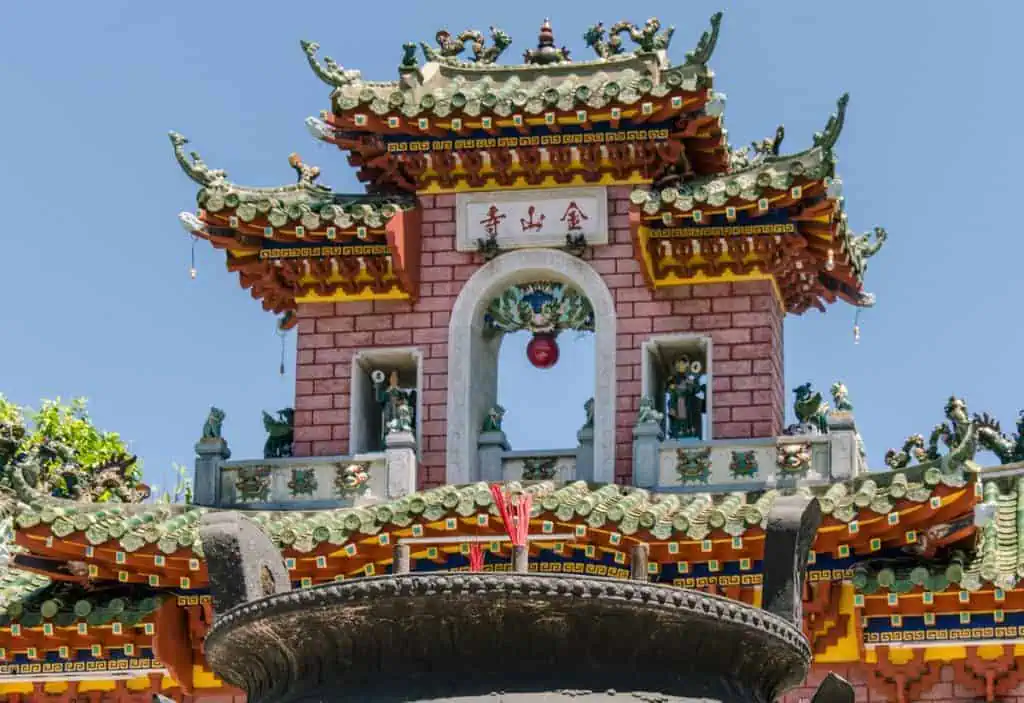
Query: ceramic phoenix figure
{"x":685,"y":399}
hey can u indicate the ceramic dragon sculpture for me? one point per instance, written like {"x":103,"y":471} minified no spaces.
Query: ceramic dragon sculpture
{"x":194,"y":166}
{"x":450,"y":46}
{"x":648,"y":38}
{"x":1009,"y":449}
{"x":330,"y":72}
{"x":959,"y":434}
{"x":757,"y":152}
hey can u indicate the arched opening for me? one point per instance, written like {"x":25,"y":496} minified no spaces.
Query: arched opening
{"x":474,"y":350}
{"x":545,"y":363}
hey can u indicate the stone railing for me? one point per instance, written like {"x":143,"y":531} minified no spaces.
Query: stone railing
{"x":539,"y":465}
{"x":304,"y":483}
{"x":747,"y":464}
{"x":743,"y":464}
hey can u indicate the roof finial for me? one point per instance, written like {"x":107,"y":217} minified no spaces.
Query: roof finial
{"x":706,"y":46}
{"x":330,"y":72}
{"x":828,"y":137}
{"x":196,"y":169}
{"x":306,"y":174}
{"x":546,"y":52}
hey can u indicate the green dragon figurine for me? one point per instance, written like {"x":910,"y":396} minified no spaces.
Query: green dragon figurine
{"x":648,"y":38}
{"x":603,"y":45}
{"x":956,"y":434}
{"x":194,"y":166}
{"x":280,"y":433}
{"x":810,"y":409}
{"x":330,"y":72}
{"x":451,"y":46}
{"x":408,"y":56}
{"x":1008,"y":449}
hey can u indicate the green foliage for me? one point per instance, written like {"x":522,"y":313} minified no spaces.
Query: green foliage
{"x":182,"y":492}
{"x":58,"y":451}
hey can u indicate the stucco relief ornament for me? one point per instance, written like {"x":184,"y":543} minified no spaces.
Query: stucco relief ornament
{"x":545,"y":309}
{"x":793,"y":459}
{"x":693,"y":464}
{"x":743,"y":464}
{"x":540,"y":469}
{"x":253,"y":483}
{"x":351,"y":478}
{"x":303,"y":482}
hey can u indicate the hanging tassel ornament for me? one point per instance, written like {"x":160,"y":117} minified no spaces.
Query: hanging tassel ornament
{"x":192,"y":266}
{"x":856,"y":327}
{"x":281,"y":333}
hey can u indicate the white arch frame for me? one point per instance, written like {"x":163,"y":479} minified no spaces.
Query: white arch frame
{"x":470,"y":352}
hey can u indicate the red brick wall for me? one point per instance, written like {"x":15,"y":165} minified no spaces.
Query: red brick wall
{"x":742,"y":319}
{"x":329,"y":335}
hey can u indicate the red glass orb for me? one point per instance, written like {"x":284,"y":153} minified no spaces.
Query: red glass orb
{"x":542,"y":351}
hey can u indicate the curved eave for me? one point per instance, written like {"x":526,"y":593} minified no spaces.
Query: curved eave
{"x":322,"y":544}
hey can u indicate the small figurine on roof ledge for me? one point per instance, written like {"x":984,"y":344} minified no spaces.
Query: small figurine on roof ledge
{"x":213,"y":424}
{"x":757,"y":152}
{"x":280,"y":433}
{"x":492,"y":423}
{"x":959,"y":436}
{"x":841,"y":397}
{"x":408,"y":56}
{"x":648,"y":413}
{"x":546,"y":52}
{"x":811,"y":410}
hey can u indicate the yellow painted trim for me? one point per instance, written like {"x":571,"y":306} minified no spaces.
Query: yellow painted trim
{"x":847,"y":648}
{"x":607,"y":179}
{"x":673,"y":280}
{"x":343,"y":297}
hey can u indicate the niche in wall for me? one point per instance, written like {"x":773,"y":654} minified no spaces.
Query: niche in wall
{"x":404,"y":367}
{"x":673,"y":368}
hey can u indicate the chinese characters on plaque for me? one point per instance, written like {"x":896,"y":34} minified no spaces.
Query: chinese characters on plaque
{"x":532,"y":218}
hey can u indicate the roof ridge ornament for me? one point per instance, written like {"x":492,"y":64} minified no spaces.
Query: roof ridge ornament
{"x":828,"y":137}
{"x":330,"y":72}
{"x":306,"y":174}
{"x":701,"y":54}
{"x":546,"y":52}
{"x":648,"y":37}
{"x":452,"y":46}
{"x":196,"y":169}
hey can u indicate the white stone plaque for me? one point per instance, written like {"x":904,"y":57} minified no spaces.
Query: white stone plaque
{"x":531,"y":218}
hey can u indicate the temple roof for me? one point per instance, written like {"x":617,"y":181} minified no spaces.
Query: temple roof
{"x":446,"y":84}
{"x":298,"y":241}
{"x":693,"y":516}
{"x":815,"y":257}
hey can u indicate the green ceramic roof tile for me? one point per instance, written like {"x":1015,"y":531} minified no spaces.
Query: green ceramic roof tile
{"x":35,"y":600}
{"x":16,"y":585}
{"x":754,"y":178}
{"x":440,"y":87}
{"x":306,"y":202}
{"x":626,"y":509}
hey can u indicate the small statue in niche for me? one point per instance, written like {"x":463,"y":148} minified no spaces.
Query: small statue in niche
{"x":686,"y":400}
{"x":397,"y":404}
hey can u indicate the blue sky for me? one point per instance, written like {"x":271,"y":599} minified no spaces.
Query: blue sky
{"x":95,"y":267}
